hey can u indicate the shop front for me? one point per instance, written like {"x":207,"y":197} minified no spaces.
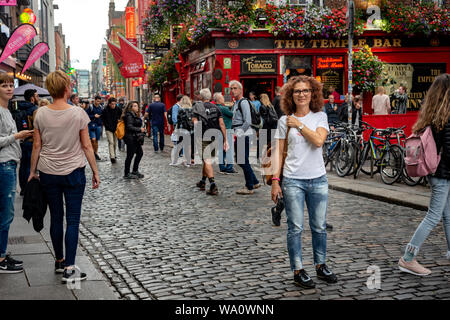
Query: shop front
{"x":261,"y":62}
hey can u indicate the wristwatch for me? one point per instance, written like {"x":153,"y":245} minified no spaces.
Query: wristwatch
{"x":300,"y":128}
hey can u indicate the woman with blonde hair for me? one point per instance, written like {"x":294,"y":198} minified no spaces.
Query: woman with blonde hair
{"x":269,"y":117}
{"x":61,"y":146}
{"x":435,"y":112}
{"x":43,"y":102}
{"x":304,"y":129}
{"x":185,"y":122}
{"x":381,"y":104}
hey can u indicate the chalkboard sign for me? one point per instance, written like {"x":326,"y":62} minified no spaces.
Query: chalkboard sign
{"x":330,"y":71}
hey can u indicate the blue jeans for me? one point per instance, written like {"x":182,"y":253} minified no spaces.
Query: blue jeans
{"x":315,"y":193}
{"x":95,"y":132}
{"x":226,"y":157}
{"x":438,"y":209}
{"x":7,"y":194}
{"x":72,"y":187}
{"x":25,"y":162}
{"x":158,"y":128}
{"x":250,"y":178}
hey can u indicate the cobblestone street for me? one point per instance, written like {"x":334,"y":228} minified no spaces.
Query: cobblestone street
{"x":161,"y":238}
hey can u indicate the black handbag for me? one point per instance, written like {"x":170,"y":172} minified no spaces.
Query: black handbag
{"x":140,"y":138}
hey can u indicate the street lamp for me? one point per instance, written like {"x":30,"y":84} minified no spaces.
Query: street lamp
{"x":350,"y":23}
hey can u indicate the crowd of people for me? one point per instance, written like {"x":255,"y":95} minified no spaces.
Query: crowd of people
{"x":295,"y":125}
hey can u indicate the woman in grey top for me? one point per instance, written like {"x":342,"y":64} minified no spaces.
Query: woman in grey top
{"x":10,"y":154}
{"x":60,"y":149}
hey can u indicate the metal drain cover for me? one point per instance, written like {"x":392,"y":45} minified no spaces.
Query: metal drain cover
{"x":24,"y":240}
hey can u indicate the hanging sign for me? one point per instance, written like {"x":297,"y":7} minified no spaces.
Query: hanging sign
{"x":19,"y":37}
{"x":130,"y":18}
{"x":259,"y":64}
{"x":8,"y":2}
{"x":117,"y":55}
{"x":133,"y":60}
{"x":38,"y":51}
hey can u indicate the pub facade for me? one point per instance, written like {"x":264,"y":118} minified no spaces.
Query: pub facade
{"x":261,"y":61}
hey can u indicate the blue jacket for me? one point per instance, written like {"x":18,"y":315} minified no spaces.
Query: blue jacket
{"x":28,"y":107}
{"x":92,"y":110}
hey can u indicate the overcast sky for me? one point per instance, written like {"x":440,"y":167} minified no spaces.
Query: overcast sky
{"x":84,"y":25}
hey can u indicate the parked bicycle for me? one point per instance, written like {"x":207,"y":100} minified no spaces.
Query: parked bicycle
{"x":380,"y":155}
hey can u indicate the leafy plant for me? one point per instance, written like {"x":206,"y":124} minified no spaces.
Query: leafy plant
{"x":367,"y":69}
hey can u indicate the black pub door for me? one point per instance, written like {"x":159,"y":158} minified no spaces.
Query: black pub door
{"x":259,"y":86}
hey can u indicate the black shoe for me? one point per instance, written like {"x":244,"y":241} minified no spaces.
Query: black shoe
{"x":59,"y":266}
{"x":276,"y":217}
{"x":8,"y":267}
{"x":12,"y":261}
{"x":97,"y":156}
{"x":113,"y":160}
{"x":329,"y":227}
{"x":73,"y":275}
{"x":213,"y":191}
{"x":138,"y":174}
{"x":129,"y":176}
{"x":201,"y":184}
{"x":323,"y":273}
{"x":303,"y":280}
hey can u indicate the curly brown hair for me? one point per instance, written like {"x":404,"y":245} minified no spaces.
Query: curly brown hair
{"x":287,"y":102}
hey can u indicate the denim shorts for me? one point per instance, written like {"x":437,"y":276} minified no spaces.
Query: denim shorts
{"x":95,"y":132}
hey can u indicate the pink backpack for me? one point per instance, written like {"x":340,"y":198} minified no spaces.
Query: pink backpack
{"x":421,"y":157}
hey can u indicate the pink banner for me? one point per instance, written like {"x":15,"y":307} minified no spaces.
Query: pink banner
{"x":19,"y":37}
{"x":8,"y":2}
{"x":38,"y":51}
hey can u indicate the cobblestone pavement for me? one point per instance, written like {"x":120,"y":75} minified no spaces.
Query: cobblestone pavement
{"x":161,"y":238}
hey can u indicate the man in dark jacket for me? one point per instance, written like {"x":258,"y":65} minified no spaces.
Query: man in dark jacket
{"x":276,"y":102}
{"x":30,"y":105}
{"x":110,"y":117}
{"x":157,"y":113}
{"x":332,"y":111}
{"x":94,"y":112}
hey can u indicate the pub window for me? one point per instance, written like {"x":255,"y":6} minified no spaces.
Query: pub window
{"x":297,"y":66}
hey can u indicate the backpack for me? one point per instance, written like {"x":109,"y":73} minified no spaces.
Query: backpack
{"x":169,"y":115}
{"x":23,"y":121}
{"x":256,"y":117}
{"x":421,"y":157}
{"x":120,"y":130}
{"x":272,"y":117}
{"x":186,"y":119}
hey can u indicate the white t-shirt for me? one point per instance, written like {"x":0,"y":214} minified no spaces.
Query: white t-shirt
{"x":304,"y":160}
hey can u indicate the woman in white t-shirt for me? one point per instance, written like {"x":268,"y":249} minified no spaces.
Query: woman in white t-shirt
{"x":304,"y":174}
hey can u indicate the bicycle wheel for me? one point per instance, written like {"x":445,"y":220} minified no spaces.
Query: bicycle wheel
{"x":344,"y":158}
{"x":391,"y":164}
{"x":357,"y":155}
{"x":325,"y":148}
{"x":364,"y":155}
{"x":410,"y":181}
{"x":365,"y":165}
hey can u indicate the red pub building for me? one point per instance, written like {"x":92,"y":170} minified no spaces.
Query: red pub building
{"x":261,"y":61}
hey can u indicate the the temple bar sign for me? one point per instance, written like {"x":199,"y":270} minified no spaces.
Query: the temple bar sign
{"x":258,"y":64}
{"x":337,"y":43}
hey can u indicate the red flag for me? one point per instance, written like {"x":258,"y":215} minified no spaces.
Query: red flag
{"x":133,"y":60}
{"x":117,"y":54}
